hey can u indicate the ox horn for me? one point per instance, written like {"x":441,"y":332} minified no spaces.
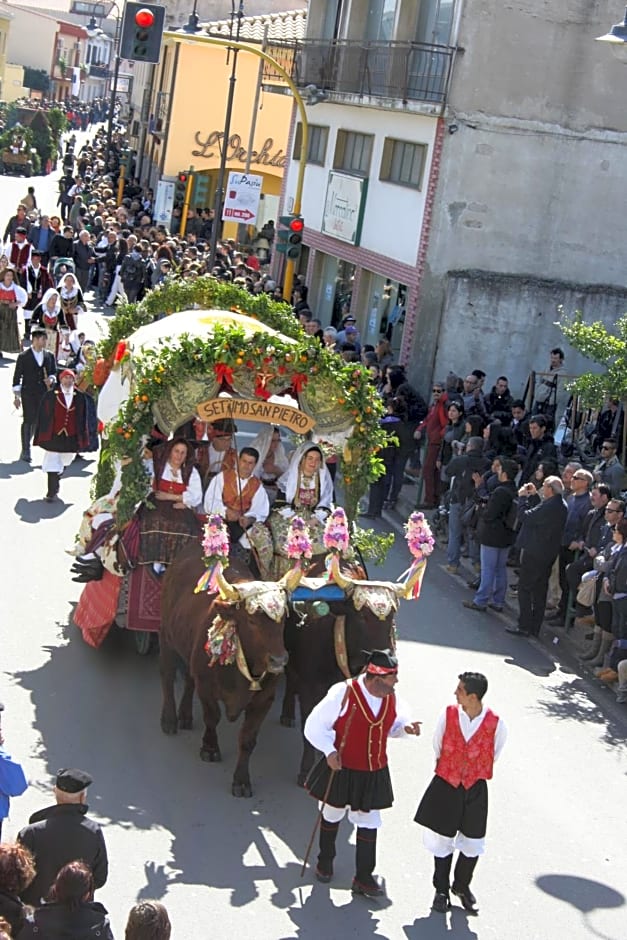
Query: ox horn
{"x":410,"y":588}
{"x":228,"y":592}
{"x":337,"y":576}
{"x":292,"y":578}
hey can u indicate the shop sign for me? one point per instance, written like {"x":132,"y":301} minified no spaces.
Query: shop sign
{"x":253,"y":409}
{"x":344,"y":207}
{"x":241,"y":202}
{"x":210,"y":147}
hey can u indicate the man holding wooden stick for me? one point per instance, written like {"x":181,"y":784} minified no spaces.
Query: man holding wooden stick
{"x":350,"y":726}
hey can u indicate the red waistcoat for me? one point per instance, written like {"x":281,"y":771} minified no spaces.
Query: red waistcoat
{"x":19,"y":254}
{"x":64,"y":418}
{"x":365,"y":745}
{"x":462,"y":761}
{"x":170,"y":486}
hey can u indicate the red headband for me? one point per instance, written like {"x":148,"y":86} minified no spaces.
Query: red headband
{"x":381,"y":670}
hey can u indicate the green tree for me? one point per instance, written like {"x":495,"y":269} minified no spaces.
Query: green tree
{"x":608,"y":349}
{"x":36,"y":79}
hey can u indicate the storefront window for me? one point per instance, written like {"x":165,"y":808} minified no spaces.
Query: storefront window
{"x":386,"y":312}
{"x":334,"y":289}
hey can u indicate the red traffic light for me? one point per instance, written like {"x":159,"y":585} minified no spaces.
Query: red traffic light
{"x":144,"y":18}
{"x":297,"y":225}
{"x":182,"y":177}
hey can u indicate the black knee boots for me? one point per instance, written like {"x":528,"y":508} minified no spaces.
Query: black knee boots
{"x":26,"y":432}
{"x":328,"y":835}
{"x":365,"y":860}
{"x":53,"y":487}
{"x":464,"y":870}
{"x":441,"y":883}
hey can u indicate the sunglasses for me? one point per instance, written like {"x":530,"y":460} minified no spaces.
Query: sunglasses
{"x":604,"y":447}
{"x":437,"y":391}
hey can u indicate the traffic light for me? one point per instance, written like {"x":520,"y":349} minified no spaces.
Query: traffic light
{"x":142,"y":29}
{"x":200,"y":193}
{"x":180,"y":188}
{"x":290,"y":236}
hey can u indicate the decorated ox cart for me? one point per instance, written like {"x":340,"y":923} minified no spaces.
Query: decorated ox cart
{"x":236,"y":358}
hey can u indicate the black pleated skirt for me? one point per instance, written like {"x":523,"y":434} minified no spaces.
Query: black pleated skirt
{"x":362,"y":790}
{"x":449,"y":810}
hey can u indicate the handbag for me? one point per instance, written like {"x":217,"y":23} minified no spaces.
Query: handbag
{"x":586,"y":592}
{"x":469,"y":515}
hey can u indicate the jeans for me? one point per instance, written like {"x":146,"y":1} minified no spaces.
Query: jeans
{"x":493,"y":576}
{"x":454,"y":547}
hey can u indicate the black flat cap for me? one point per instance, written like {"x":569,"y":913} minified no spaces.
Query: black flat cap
{"x":72,"y":781}
{"x":381,"y":662}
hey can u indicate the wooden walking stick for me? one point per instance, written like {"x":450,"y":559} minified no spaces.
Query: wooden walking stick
{"x":329,"y":784}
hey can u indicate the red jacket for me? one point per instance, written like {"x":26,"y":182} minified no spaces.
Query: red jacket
{"x":435,"y":422}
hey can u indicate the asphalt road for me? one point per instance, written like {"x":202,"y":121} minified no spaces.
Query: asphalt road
{"x":557,"y":853}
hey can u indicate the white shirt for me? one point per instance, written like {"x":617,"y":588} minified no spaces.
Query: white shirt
{"x":260,"y":506}
{"x":469,"y":726}
{"x":192,"y":494}
{"x":319,"y":729}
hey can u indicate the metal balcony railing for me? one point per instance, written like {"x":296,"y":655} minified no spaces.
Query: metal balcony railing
{"x":409,"y":71}
{"x":99,"y":71}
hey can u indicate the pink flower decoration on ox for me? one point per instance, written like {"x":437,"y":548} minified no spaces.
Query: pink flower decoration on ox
{"x":418,"y":535}
{"x":336,"y":537}
{"x":215,"y":545}
{"x":298,"y":544}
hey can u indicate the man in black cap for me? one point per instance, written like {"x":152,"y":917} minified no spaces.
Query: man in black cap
{"x":454,"y":809}
{"x":63,"y":833}
{"x":351,"y":726}
{"x":35,"y":373}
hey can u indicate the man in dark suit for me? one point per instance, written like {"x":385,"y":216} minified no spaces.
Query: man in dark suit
{"x":35,"y":373}
{"x":63,"y":833}
{"x":539,"y":542}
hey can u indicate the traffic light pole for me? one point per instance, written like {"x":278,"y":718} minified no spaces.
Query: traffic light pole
{"x":300,"y":179}
{"x":186,"y":201}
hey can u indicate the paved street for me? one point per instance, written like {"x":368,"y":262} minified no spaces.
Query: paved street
{"x":557,"y":853}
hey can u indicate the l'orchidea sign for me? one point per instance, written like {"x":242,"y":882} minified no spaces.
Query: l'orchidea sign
{"x":252,"y":409}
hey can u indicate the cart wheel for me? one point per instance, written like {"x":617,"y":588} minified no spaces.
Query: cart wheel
{"x":143,"y":641}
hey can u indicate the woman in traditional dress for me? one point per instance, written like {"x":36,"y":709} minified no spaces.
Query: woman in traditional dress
{"x":308,"y":491}
{"x":273,"y":461}
{"x":49,"y":315}
{"x":170,"y":522}
{"x":12,"y":296}
{"x":72,"y":301}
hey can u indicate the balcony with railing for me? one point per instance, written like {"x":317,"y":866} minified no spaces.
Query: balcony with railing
{"x":99,"y":71}
{"x":405,"y":71}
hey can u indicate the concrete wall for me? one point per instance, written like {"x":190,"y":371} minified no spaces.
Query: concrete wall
{"x":507,"y":324}
{"x":531,"y":182}
{"x":31,"y":39}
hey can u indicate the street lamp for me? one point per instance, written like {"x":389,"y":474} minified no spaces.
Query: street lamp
{"x":617,"y":38}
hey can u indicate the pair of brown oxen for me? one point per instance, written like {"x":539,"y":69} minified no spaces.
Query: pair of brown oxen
{"x":303,"y":638}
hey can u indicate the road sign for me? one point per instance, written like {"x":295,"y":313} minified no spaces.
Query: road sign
{"x":241,"y":202}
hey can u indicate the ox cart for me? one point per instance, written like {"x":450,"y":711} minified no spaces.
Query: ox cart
{"x":237,"y":630}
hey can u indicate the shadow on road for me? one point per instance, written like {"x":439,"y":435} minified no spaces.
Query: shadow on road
{"x":17,"y":468}
{"x":583,"y":894}
{"x":33,"y":511}
{"x":441,"y":927}
{"x":356,"y":918}
{"x":570,"y":700}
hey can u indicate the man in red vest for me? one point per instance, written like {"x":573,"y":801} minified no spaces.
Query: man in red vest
{"x":351,"y":726}
{"x":454,"y":809}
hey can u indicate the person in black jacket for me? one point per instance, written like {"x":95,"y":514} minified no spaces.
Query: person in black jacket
{"x":539,"y":542}
{"x":541,"y":450}
{"x":35,"y":373}
{"x":499,"y":402}
{"x":62,"y":833}
{"x":495,"y":532}
{"x":460,"y":472}
{"x":71,"y":913}
{"x":62,"y":246}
